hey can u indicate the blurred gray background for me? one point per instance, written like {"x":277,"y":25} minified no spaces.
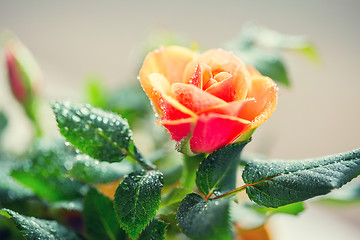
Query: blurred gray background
{"x":318,"y":115}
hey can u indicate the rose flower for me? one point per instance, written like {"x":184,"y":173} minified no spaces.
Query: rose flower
{"x":209,"y":99}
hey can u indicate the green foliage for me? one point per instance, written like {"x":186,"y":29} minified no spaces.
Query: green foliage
{"x":101,"y":135}
{"x":175,"y":195}
{"x":279,"y":182}
{"x":3,"y":122}
{"x":99,"y":217}
{"x":39,"y":229}
{"x":291,"y":209}
{"x":217,"y":172}
{"x":155,"y":231}
{"x":200,"y":219}
{"x":250,"y":215}
{"x":45,"y":172}
{"x":268,"y":63}
{"x":11,"y":190}
{"x":350,"y":193}
{"x":137,"y":199}
{"x":95,"y":91}
{"x":90,"y":170}
{"x":130,"y":102}
{"x":261,"y":47}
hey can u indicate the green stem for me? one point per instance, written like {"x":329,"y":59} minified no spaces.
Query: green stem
{"x":31,"y":110}
{"x":232,"y":192}
{"x":191,"y":164}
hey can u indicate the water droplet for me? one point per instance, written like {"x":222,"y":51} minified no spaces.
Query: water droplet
{"x":75,"y":118}
{"x":84,"y":111}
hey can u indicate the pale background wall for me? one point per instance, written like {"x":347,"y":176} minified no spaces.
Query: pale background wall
{"x":319,"y":115}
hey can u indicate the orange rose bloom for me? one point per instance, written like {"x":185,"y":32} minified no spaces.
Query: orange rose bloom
{"x":209,"y":99}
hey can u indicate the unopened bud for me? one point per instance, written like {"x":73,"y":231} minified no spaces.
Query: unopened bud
{"x":23,"y":71}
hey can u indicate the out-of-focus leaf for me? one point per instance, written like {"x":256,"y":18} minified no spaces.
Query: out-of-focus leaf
{"x":200,"y":219}
{"x":261,"y":47}
{"x":291,"y":209}
{"x":270,"y":39}
{"x":89,"y":170}
{"x":95,"y":91}
{"x":137,"y":199}
{"x":277,"y":183}
{"x":170,"y":164}
{"x":154,"y":231}
{"x":248,"y":215}
{"x":350,"y":193}
{"x":99,"y":217}
{"x":268,"y":63}
{"x":10,"y":190}
{"x":130,"y":102}
{"x":176,"y":195}
{"x":3,"y":122}
{"x":34,"y":228}
{"x":45,"y":172}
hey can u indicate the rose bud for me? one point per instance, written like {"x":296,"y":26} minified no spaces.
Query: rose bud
{"x":23,"y":71}
{"x":210,"y":99}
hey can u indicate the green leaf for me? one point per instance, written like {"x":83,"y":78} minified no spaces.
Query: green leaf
{"x":217,"y":173}
{"x":45,"y":172}
{"x":155,"y":231}
{"x":269,"y":39}
{"x":130,"y":102}
{"x":175,"y":195}
{"x":90,"y":170}
{"x":249,"y":215}
{"x":350,"y":193}
{"x":268,"y":63}
{"x":11,"y":190}
{"x":291,"y":209}
{"x":99,"y":217}
{"x":136,"y":200}
{"x":200,"y":219}
{"x":3,"y":122}
{"x":95,"y":91}
{"x":280,"y":182}
{"x":101,"y":135}
{"x":34,"y":228}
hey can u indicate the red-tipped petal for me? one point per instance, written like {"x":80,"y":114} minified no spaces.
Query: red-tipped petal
{"x":231,"y":109}
{"x":179,"y":129}
{"x":213,"y":131}
{"x":194,"y":98}
{"x":171,"y":109}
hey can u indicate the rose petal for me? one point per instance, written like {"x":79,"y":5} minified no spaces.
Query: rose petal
{"x":193,"y":97}
{"x":231,"y":109}
{"x":167,"y":61}
{"x":253,"y":71}
{"x":196,"y":79}
{"x":179,"y":129}
{"x":213,"y":131}
{"x":264,"y":91}
{"x":223,"y":88}
{"x":171,"y":109}
{"x":209,"y":83}
{"x":222,"y":61}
